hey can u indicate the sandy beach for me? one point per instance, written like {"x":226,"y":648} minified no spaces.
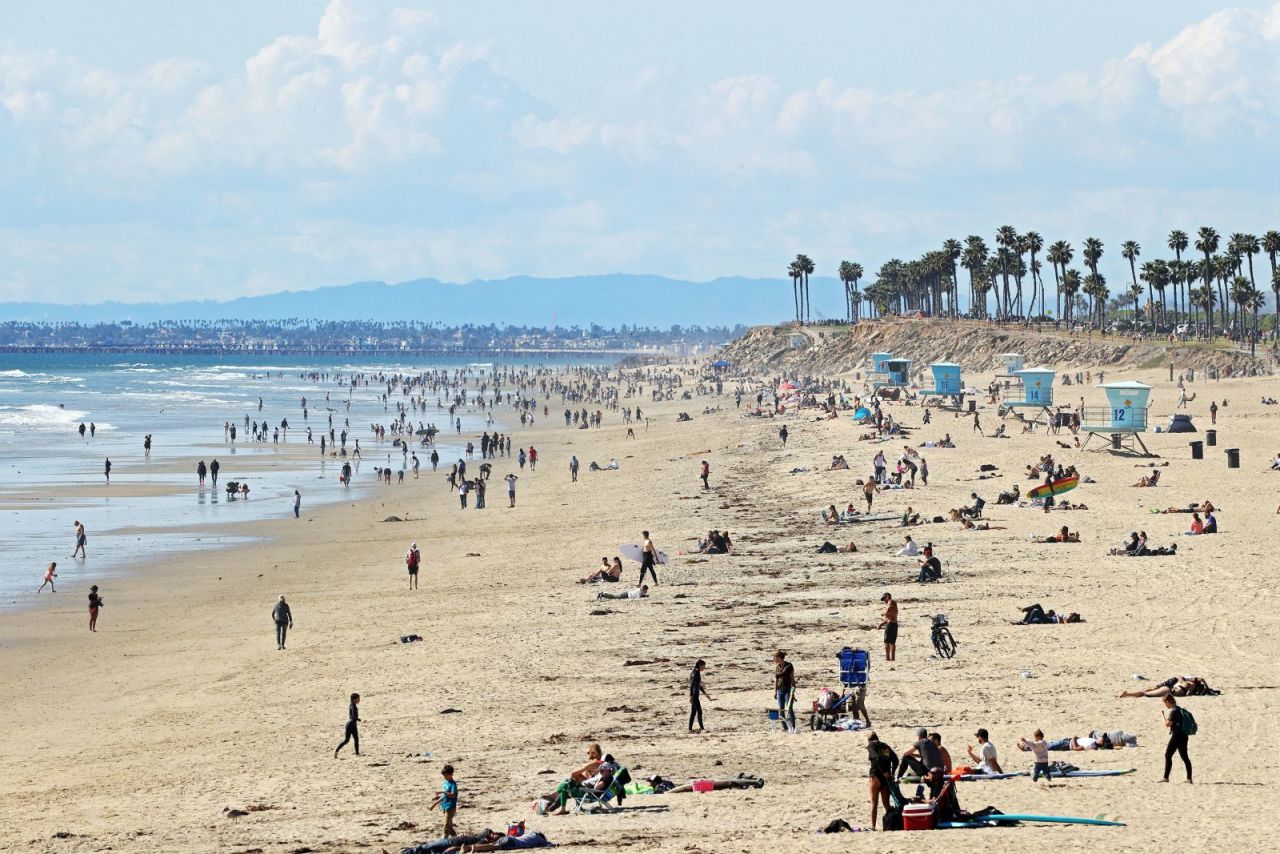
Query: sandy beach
{"x":137,"y":738}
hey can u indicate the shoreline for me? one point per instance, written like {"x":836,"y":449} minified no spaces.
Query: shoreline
{"x":181,"y":701}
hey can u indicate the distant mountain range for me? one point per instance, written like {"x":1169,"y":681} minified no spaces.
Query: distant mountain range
{"x":607,"y":300}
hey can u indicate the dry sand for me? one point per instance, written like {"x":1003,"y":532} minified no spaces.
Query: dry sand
{"x":138,"y":737}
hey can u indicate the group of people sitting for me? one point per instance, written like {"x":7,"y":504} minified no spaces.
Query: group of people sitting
{"x":716,"y":543}
{"x":1138,"y":547}
{"x":608,"y":572}
{"x":1034,"y":615}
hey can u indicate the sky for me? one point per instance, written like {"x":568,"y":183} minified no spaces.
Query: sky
{"x":157,"y":152}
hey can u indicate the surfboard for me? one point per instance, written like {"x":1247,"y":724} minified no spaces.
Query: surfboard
{"x":1044,"y":819}
{"x":1057,"y":487}
{"x":911,"y":778}
{"x":1097,"y":773}
{"x":874,"y":517}
{"x":633,"y":551}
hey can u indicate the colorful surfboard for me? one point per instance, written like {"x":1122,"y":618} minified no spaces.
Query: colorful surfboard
{"x":1057,"y":487}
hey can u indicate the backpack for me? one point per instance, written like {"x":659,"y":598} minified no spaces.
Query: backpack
{"x":1187,"y":723}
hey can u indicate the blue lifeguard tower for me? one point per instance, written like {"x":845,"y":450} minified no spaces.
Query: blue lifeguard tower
{"x":879,"y":373}
{"x":1124,"y":416}
{"x":896,"y":374}
{"x":946,"y":381}
{"x":1036,"y":392}
{"x":1011,"y":363}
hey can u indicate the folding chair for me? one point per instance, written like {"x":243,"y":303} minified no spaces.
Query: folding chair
{"x":597,"y":799}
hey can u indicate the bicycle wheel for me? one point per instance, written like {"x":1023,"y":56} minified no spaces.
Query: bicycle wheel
{"x":945,"y":643}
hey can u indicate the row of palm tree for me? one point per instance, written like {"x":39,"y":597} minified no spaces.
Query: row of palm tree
{"x":1008,"y":284}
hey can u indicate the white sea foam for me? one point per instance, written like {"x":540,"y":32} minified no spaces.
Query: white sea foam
{"x":39,"y":416}
{"x":15,"y":373}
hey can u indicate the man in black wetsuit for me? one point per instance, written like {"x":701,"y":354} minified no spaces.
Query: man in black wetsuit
{"x":696,"y":691}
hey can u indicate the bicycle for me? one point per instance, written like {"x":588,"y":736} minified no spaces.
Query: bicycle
{"x":943,"y":643}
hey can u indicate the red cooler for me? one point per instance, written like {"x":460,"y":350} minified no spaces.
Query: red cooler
{"x":917,"y":817}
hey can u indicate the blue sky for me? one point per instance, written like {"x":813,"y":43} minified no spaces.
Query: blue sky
{"x":174,"y":151}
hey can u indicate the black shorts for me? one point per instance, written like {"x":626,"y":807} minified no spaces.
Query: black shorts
{"x":891,"y":633}
{"x":413,"y":570}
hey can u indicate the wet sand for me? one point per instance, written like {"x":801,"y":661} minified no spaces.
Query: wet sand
{"x":139,"y":736}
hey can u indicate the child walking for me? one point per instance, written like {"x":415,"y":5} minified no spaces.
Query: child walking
{"x":447,"y":800}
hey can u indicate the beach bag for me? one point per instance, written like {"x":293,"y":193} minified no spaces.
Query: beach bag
{"x":892,"y":820}
{"x":1188,"y":724}
{"x":826,"y":699}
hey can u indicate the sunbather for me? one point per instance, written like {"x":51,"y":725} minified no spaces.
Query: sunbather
{"x":1149,"y":480}
{"x":503,"y":842}
{"x":640,"y":592}
{"x":1009,"y":496}
{"x":573,"y":786}
{"x":1177,"y":686}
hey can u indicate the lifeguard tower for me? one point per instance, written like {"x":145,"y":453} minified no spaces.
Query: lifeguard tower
{"x":946,"y":382}
{"x":1036,"y":393}
{"x":1125,"y":416}
{"x":896,"y":374}
{"x":1011,"y":363}
{"x":879,"y":373}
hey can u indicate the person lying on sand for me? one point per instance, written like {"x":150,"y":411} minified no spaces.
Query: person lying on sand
{"x":829,"y":547}
{"x":608,"y":572}
{"x":969,"y":525}
{"x":1177,"y":686}
{"x":1064,"y":536}
{"x":503,"y":842}
{"x":1095,"y":740}
{"x":641,"y":592}
{"x":1034,"y":615}
{"x":1205,"y":506}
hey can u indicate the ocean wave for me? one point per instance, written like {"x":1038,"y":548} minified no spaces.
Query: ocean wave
{"x":180,"y":397}
{"x":48,"y":380}
{"x":16,"y":373}
{"x":40,"y":415}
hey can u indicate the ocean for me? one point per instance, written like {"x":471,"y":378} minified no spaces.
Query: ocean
{"x":50,"y":476}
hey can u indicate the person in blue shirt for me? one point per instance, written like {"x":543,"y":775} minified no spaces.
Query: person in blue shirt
{"x":447,"y":800}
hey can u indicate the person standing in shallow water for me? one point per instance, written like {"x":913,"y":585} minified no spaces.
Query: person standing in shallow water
{"x":81,"y":538}
{"x":106,"y":469}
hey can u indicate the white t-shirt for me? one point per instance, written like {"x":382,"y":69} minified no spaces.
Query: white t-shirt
{"x":988,"y":753}
{"x":1086,"y":743}
{"x":1040,"y":750}
{"x":909,"y":550}
{"x":635,"y":594}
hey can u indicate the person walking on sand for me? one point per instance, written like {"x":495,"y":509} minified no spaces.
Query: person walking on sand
{"x":704,"y":474}
{"x":783,"y":434}
{"x":784,"y":690}
{"x":889,"y":622}
{"x":696,"y":692}
{"x":648,"y":559}
{"x":447,"y":800}
{"x":282,"y":616}
{"x":511,"y":489}
{"x":106,"y":469}
{"x":977,"y":425}
{"x":297,"y":504}
{"x":352,"y":732}
{"x":1213,"y":412}
{"x":49,"y":575}
{"x":95,"y":602}
{"x":869,"y":489}
{"x":413,"y":560}
{"x":573,"y":469}
{"x":213,"y":471}
{"x":81,"y":539}
{"x":201,"y":471}
{"x":1180,"y":725}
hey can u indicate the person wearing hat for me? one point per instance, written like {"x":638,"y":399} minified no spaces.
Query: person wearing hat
{"x":413,"y":560}
{"x":889,"y":623}
{"x":95,"y":602}
{"x":282,"y":616}
{"x":988,"y":763}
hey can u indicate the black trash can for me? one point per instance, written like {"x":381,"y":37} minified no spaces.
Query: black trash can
{"x":1211,"y":437}
{"x":1233,"y":458}
{"x":1197,"y":450}
{"x":973,"y":405}
{"x":1115,"y":441}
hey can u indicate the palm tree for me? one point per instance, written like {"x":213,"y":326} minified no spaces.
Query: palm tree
{"x":1071,"y":284}
{"x":1241,"y":291}
{"x":1204,"y":297}
{"x":1135,"y":293}
{"x":1207,"y":242}
{"x":806,"y":267}
{"x":1256,"y":301}
{"x":1059,"y":256}
{"x":951,"y":248}
{"x":1130,"y":250}
{"x":794,"y":272}
{"x":1034,"y":243}
{"x":974,"y":260}
{"x":850,"y":273}
{"x":1156,"y":274}
{"x":1006,"y":240}
{"x":1271,"y":246}
{"x":1178,"y":242}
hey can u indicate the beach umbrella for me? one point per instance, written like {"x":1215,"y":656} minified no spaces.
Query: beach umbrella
{"x":721,"y":363}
